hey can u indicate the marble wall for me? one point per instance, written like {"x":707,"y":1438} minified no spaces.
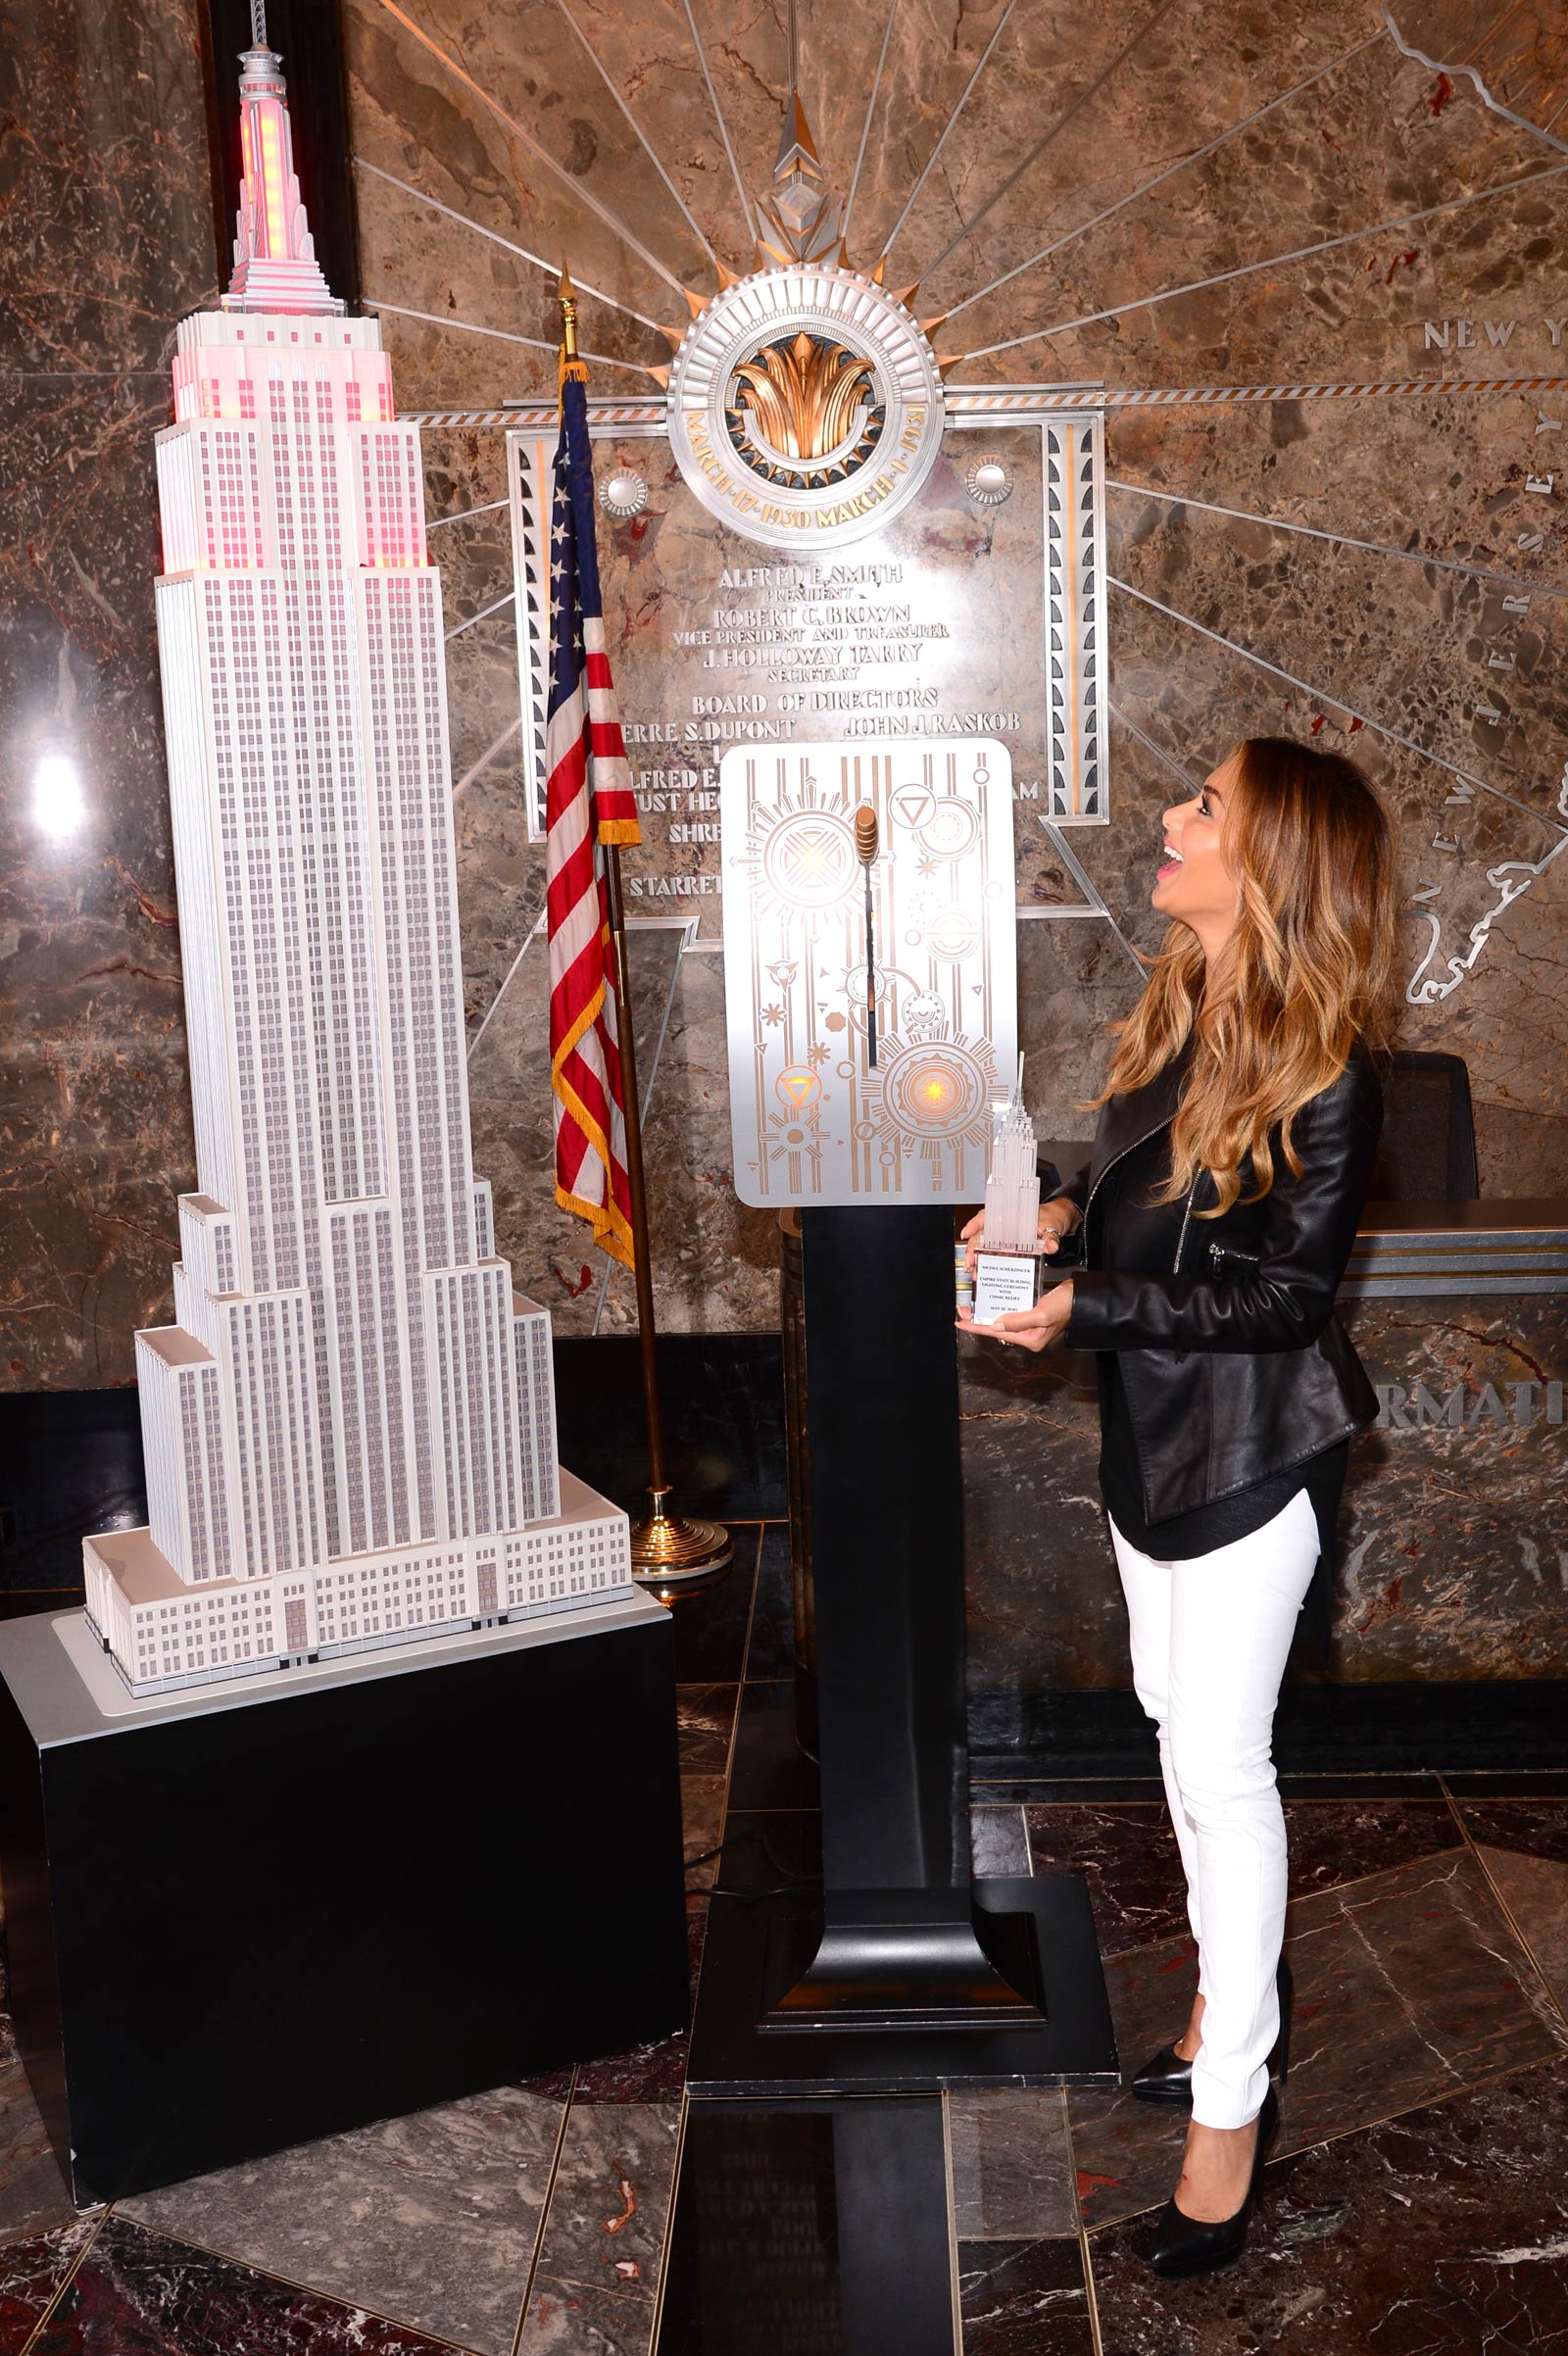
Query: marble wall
{"x":1323,"y":179}
{"x":109,"y":239}
{"x":1453,"y":1530}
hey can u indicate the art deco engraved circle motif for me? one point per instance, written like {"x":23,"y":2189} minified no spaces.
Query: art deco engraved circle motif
{"x":809,"y":858}
{"x":804,"y":407}
{"x":987,"y":482}
{"x":932,"y":1090}
{"x":623,"y":494}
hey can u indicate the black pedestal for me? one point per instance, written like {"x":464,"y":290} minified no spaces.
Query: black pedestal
{"x":905,"y":1976}
{"x":262,"y":1915}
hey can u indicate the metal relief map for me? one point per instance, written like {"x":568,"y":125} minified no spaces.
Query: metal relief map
{"x":813,"y":1121}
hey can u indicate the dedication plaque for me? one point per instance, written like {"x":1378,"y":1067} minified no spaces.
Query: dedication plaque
{"x":816,"y":1121}
{"x":972,"y":607}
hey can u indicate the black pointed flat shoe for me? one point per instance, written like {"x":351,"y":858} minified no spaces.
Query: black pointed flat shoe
{"x":1187,"y":2245}
{"x":1166,"y":2078}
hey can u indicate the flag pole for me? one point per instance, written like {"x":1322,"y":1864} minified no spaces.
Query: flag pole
{"x":669,"y":1552}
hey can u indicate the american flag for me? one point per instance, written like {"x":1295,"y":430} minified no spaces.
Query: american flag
{"x":589,"y":805}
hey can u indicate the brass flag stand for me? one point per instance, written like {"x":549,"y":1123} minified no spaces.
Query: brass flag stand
{"x":671,"y":1554}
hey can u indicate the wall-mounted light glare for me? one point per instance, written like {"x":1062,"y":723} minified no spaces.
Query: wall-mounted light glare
{"x":58,"y":807}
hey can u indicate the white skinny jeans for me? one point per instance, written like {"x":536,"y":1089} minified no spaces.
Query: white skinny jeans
{"x":1209,"y":1639}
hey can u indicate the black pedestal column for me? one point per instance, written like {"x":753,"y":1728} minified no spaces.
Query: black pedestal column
{"x":906,"y":1973}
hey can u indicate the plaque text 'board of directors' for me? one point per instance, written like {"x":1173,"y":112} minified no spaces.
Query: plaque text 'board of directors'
{"x":815,"y":1118}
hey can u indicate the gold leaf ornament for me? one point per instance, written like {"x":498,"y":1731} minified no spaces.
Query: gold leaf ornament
{"x":803,"y":396}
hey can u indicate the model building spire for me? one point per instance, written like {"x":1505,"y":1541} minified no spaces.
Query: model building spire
{"x":275,"y":269}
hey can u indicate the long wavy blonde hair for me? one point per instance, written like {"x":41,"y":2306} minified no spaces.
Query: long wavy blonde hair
{"x":1309,"y":968}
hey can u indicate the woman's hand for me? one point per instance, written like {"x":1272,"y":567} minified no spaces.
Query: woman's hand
{"x":1058,"y":1218}
{"x":1033,"y":1329}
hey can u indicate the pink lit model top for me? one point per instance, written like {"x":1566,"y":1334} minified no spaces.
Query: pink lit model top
{"x":350,"y":1429}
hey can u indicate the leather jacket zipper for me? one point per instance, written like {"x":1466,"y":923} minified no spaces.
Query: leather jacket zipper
{"x":1127,"y":1149}
{"x":1181,"y":1240}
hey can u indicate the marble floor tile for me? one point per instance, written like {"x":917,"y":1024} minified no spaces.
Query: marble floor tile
{"x":431,"y":2219}
{"x":701,"y":1817}
{"x":138,"y":2293}
{"x":1024,"y":2299}
{"x":1129,"y":1856}
{"x":598,"y":2271}
{"x":706,"y":1718}
{"x":32,"y":2188}
{"x":1441,"y":2233}
{"x":1534,"y":1891}
{"x":1409,"y":1985}
{"x":1538,"y":1826}
{"x":31,"y":2272}
{"x":998,"y":1842}
{"x":1011,"y":2165}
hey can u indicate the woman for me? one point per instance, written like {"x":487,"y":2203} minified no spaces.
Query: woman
{"x":1235,"y":1139}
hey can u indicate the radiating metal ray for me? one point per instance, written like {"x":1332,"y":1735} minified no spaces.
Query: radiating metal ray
{"x":462,"y":514}
{"x":1311,"y":531}
{"x":1181,"y":164}
{"x":928,"y":166}
{"x":534,"y":933}
{"x":505,"y":335}
{"x":584,"y":285}
{"x":865,"y":127}
{"x":1150,"y":745}
{"x":483,"y":615}
{"x":512,"y":728}
{"x":1336,"y":702}
{"x":747,"y":214}
{"x":1248,"y":269}
{"x":541,"y":154}
{"x":1419,"y":56}
{"x":1038,"y":150}
{"x":1086,"y":884}
{"x":639,"y":134}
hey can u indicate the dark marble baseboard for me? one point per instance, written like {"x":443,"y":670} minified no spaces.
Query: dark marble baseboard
{"x":1507,"y":1726}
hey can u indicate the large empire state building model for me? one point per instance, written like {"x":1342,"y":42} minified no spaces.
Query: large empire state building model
{"x":349,"y":1430}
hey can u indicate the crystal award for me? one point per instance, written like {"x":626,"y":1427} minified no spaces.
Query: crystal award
{"x":1011,"y":1257}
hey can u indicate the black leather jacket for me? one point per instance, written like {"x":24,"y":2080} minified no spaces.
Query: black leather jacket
{"x":1234,"y":1362}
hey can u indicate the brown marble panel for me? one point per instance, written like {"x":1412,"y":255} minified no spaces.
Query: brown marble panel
{"x":1128,"y":1853}
{"x":1410,"y":1985}
{"x":107,"y":206}
{"x":1517,"y":55}
{"x":1448,"y":1533}
{"x":1442,"y":2229}
{"x":1316,"y":173}
{"x":1026,"y":2299}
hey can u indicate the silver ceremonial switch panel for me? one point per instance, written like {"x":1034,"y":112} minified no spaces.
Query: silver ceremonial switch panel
{"x":814,"y":1122}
